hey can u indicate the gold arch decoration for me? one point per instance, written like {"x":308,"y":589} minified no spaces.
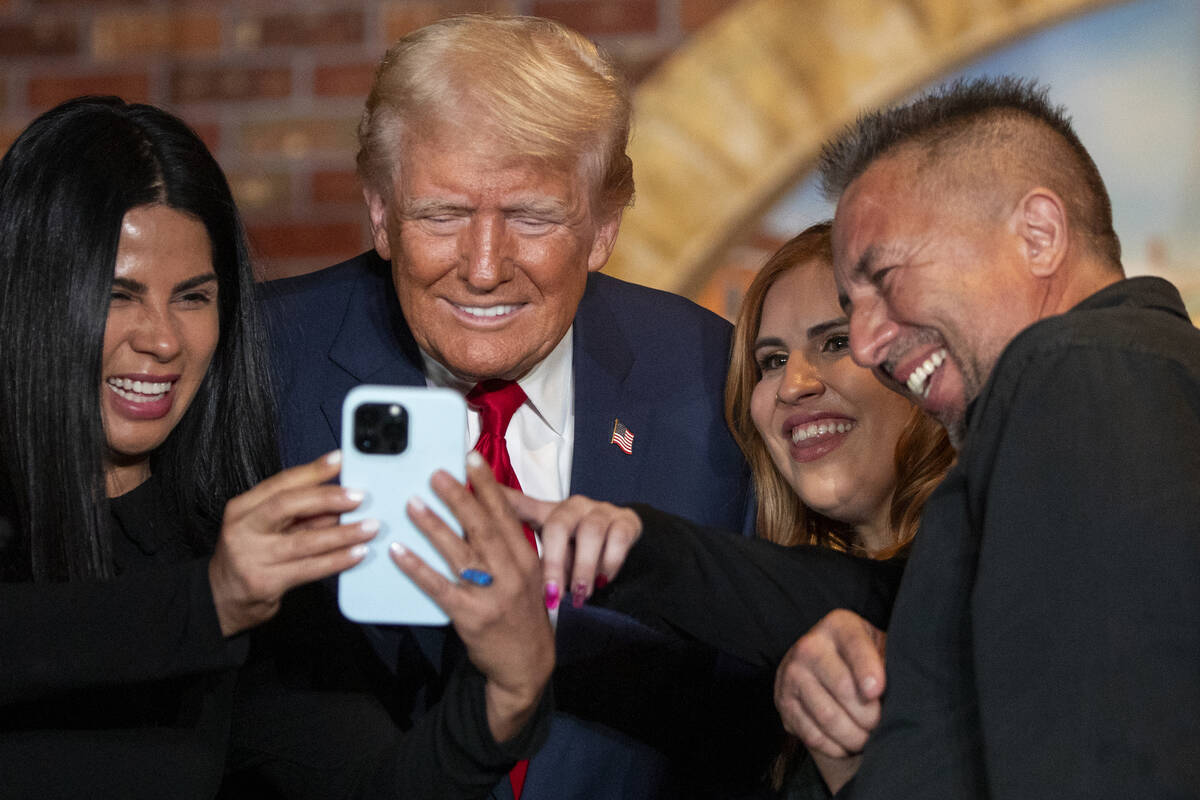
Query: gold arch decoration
{"x":734,"y":118}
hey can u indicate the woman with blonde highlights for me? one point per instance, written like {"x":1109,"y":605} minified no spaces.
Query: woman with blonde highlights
{"x":921,"y":453}
{"x":838,"y":460}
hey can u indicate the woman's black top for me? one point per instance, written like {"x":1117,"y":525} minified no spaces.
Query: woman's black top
{"x":125,"y":688}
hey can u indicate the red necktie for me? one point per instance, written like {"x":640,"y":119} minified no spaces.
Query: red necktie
{"x":497,"y":401}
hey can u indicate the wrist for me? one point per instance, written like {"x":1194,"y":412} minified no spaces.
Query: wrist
{"x":508,"y":709}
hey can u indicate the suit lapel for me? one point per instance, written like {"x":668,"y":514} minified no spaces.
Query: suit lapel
{"x":603,"y":362}
{"x":372,"y":345}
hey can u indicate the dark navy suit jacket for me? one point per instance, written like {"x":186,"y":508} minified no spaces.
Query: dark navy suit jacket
{"x":654,"y":361}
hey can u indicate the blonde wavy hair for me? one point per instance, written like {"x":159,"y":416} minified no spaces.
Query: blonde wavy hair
{"x":539,"y":87}
{"x":923,"y":452}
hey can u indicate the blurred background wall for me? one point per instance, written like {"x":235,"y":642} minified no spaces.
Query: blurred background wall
{"x":733,"y":99}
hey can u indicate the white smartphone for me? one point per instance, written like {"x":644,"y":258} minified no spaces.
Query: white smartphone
{"x":393,"y":439}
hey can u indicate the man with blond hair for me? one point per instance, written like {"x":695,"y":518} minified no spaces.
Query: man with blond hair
{"x":495,"y":175}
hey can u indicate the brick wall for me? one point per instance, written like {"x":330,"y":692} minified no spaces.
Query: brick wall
{"x":275,"y":86}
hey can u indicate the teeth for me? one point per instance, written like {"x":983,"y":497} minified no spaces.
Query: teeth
{"x":488,"y":311}
{"x":918,"y":380}
{"x":800,"y":434}
{"x":139,"y":391}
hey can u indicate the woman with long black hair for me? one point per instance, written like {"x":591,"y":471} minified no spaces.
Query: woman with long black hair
{"x":139,"y":530}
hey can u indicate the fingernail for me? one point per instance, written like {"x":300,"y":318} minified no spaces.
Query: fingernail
{"x":417,"y":504}
{"x":359,"y":551}
{"x":869,"y":683}
{"x":579,"y":595}
{"x":354,"y":495}
{"x":397,"y":548}
{"x":552,"y":595}
{"x":474,"y":459}
{"x":601,"y":580}
{"x":333,"y":457}
{"x":369,"y":525}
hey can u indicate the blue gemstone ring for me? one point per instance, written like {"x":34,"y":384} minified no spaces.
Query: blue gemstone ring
{"x":476,"y":576}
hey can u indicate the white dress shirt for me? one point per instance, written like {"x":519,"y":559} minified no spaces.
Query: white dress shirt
{"x":541,"y":435}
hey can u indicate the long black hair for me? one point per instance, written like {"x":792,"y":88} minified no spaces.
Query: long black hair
{"x":65,"y":186}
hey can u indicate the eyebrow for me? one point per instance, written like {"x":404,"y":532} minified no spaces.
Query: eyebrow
{"x":823,"y":327}
{"x":423,"y":207}
{"x":539,"y":207}
{"x":811,"y":333}
{"x":183,"y":286}
{"x":771,"y":341}
{"x":860,"y":271}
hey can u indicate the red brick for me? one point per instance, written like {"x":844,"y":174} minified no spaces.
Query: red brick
{"x":206,"y":84}
{"x":695,"y":14}
{"x":46,"y":91}
{"x":343,"y":80}
{"x":43,"y":37}
{"x":300,"y":137}
{"x":340,"y":187}
{"x":118,"y":34}
{"x":401,"y":17}
{"x":305,"y":239}
{"x":602,"y":17}
{"x":301,"y":30}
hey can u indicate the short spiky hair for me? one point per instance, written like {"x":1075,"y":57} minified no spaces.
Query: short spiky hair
{"x":1003,"y":124}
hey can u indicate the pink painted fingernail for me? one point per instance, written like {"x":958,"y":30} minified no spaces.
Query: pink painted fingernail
{"x":579,"y":595}
{"x":601,"y":580}
{"x":552,"y":595}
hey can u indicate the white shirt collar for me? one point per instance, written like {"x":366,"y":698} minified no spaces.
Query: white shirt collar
{"x":547,"y":385}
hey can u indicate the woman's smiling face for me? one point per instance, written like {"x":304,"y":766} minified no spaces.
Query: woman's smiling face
{"x":160,"y":336}
{"x":831,"y":428}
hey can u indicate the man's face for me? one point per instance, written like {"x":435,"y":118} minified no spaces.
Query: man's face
{"x":490,"y":252}
{"x":933,"y":289}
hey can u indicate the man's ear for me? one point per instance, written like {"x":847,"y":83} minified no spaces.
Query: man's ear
{"x":606,"y":239}
{"x":1041,"y":222}
{"x":377,"y":210}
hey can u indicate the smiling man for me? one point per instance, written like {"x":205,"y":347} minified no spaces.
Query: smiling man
{"x":495,"y":175}
{"x":1046,"y":639}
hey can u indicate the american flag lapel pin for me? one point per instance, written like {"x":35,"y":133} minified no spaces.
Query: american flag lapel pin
{"x":622,"y":437}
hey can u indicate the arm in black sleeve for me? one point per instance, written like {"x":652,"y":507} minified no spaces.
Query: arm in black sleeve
{"x":748,"y":597}
{"x":155,"y":623}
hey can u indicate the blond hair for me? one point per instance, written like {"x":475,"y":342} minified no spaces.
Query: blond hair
{"x":542,"y":89}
